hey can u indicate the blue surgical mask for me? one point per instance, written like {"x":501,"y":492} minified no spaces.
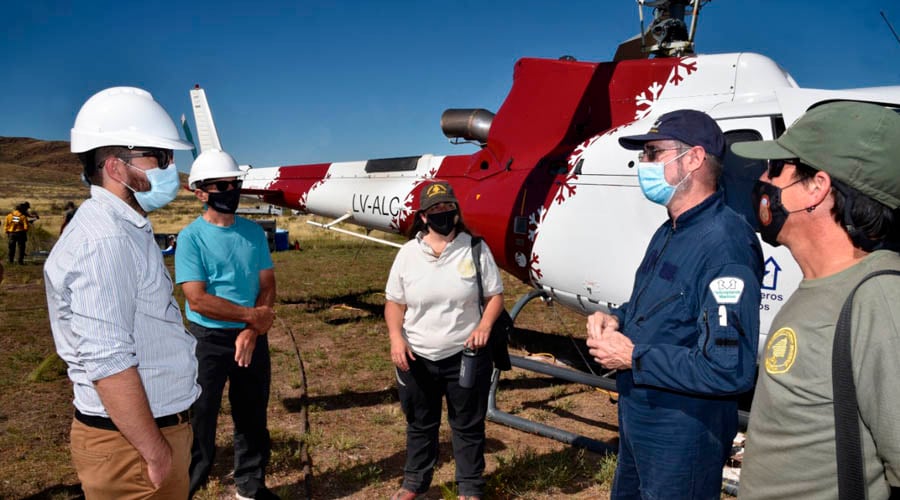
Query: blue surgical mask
{"x":164,"y":184}
{"x":652,"y":177}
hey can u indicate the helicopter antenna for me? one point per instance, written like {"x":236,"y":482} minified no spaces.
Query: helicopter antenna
{"x":695,"y":13}
{"x":890,"y":26}
{"x":641,"y":16}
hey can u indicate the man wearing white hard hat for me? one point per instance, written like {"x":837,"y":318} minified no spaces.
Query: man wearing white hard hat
{"x":114,"y":319}
{"x":223,"y":264}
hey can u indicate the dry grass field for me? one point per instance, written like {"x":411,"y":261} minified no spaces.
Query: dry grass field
{"x":330,"y":299}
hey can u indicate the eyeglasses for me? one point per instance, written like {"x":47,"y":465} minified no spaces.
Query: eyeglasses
{"x":223,"y":186}
{"x":163,"y":157}
{"x":777,"y":166}
{"x":649,"y":153}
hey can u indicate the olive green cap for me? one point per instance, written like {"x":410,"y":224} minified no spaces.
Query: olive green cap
{"x":857,"y":143}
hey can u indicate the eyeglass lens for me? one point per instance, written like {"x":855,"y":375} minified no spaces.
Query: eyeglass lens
{"x":650,"y":152}
{"x":162,"y":156}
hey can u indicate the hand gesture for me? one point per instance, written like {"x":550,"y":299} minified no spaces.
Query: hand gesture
{"x":244,"y":346}
{"x":600,"y":321}
{"x":610,"y":348}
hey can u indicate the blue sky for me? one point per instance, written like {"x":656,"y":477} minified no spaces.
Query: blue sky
{"x":314,"y":81}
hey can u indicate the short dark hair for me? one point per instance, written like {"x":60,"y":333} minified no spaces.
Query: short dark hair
{"x":92,"y":160}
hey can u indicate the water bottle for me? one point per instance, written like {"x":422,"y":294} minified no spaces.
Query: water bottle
{"x":467,"y":368}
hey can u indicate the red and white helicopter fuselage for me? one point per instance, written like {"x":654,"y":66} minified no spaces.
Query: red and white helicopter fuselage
{"x":551,"y":190}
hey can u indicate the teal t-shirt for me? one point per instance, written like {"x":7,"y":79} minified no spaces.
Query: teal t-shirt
{"x":228,"y":259}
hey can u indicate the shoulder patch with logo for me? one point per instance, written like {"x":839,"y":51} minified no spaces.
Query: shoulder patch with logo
{"x":781,"y":351}
{"x":727,"y":289}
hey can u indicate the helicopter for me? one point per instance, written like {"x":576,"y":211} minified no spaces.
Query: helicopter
{"x":550,"y":189}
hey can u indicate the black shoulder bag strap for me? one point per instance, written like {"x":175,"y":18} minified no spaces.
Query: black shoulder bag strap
{"x":476,"y":258}
{"x":503,"y":325}
{"x":851,"y":472}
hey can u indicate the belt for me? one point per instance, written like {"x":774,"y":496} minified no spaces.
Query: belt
{"x":108,"y":425}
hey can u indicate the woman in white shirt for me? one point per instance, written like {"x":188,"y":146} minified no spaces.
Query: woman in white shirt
{"x":432,"y":314}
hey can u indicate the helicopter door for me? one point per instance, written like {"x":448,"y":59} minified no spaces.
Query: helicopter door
{"x":739,"y":175}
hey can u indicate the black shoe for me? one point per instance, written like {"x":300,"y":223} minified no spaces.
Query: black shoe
{"x":261,"y":494}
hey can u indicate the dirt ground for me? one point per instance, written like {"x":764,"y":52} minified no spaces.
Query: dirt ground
{"x":330,"y":298}
{"x":330,"y":311}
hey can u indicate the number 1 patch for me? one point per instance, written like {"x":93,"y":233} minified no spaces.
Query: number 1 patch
{"x":727,"y":289}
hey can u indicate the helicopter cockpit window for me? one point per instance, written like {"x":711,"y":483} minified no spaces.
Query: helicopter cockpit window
{"x":740,"y":174}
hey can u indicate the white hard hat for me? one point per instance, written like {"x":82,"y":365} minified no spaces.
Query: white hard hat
{"x":213,"y":164}
{"x":124,"y":116}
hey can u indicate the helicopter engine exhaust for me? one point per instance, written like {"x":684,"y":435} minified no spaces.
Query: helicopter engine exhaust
{"x":468,"y":124}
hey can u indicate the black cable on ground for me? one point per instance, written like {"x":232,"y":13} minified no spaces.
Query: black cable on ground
{"x":304,"y":416}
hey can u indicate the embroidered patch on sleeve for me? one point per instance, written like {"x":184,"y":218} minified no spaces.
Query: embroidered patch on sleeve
{"x":727,"y":289}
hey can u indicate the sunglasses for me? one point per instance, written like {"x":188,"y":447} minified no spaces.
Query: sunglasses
{"x":777,"y":166}
{"x":649,"y":153}
{"x":223,"y":186}
{"x":163,"y":157}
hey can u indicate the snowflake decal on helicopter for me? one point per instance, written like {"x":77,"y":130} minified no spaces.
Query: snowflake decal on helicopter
{"x":534,"y":222}
{"x":407,"y":209}
{"x":305,"y":196}
{"x":534,"y":269}
{"x":687,"y":64}
{"x":647,"y":99}
{"x":579,"y":151}
{"x":567,"y":188}
{"x":404,"y":212}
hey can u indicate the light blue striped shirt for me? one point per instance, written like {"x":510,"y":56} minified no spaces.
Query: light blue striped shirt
{"x":111,"y":307}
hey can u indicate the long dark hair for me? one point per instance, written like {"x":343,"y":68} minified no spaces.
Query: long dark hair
{"x":869,"y":223}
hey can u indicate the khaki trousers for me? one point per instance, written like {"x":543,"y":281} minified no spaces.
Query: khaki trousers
{"x":110,"y":468}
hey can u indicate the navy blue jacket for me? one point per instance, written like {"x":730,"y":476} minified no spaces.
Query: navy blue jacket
{"x":685,"y":355}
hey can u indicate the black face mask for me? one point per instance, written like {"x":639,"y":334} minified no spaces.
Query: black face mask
{"x":225,"y":202}
{"x":442,"y":223}
{"x":770,"y":213}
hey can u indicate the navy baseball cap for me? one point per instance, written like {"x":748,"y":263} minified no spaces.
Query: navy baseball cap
{"x":694,"y":128}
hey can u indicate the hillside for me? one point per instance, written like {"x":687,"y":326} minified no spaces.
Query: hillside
{"x":47,"y":175}
{"x":35,"y":153}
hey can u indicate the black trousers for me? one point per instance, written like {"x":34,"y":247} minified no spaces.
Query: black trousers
{"x":422,"y":389}
{"x":248,"y":394}
{"x":17,"y":238}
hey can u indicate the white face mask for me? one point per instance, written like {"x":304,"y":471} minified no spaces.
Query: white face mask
{"x":652,"y":177}
{"x":164,"y":184}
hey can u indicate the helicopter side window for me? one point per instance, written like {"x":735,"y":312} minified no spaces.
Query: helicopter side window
{"x":740,"y":174}
{"x":403,"y":164}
